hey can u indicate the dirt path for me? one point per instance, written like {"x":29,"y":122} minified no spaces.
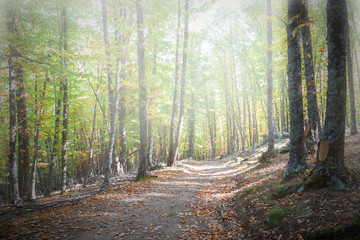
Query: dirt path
{"x":174,"y":206}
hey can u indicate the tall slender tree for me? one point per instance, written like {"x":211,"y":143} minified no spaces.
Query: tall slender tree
{"x":15,"y":73}
{"x":64,"y":142}
{"x":350,"y":78}
{"x":176,"y":90}
{"x":297,"y":161}
{"x":311,"y":95}
{"x":113,"y":93}
{"x":183,"y":85}
{"x":269,"y":77}
{"x":142,"y":171}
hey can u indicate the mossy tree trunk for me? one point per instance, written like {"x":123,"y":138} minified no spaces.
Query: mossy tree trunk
{"x":297,"y":161}
{"x":330,"y":170}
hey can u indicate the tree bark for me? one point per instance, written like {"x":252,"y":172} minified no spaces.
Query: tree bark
{"x":176,"y":89}
{"x":297,"y":161}
{"x":142,"y":171}
{"x":269,"y":77}
{"x":330,"y":169}
{"x":15,"y":73}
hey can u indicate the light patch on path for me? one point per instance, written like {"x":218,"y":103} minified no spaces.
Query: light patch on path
{"x":170,"y":209}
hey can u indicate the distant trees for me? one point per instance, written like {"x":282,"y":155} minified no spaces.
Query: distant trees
{"x":76,"y":100}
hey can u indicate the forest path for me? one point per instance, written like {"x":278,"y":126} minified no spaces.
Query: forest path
{"x":172,"y":208}
{"x":183,"y":202}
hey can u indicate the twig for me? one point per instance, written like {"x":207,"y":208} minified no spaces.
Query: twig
{"x":251,"y":216}
{"x":323,"y":195}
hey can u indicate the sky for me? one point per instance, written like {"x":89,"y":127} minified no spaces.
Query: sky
{"x":202,"y":19}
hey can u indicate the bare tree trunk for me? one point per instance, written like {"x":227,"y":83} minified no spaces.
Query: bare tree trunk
{"x":36,"y":138}
{"x":176,"y":89}
{"x":65,"y":105}
{"x":349,"y":61}
{"x":269,"y":77}
{"x":282,"y":106}
{"x":183,"y":85}
{"x":91,"y":163}
{"x":142,"y":171}
{"x":113,"y":97}
{"x":238,"y":105}
{"x":191,"y":150}
{"x":150,"y":120}
{"x":15,"y":72}
{"x":357,"y":67}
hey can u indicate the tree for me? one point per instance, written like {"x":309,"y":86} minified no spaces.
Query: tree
{"x":113,"y":97}
{"x":349,"y":62}
{"x":142,"y":171}
{"x":183,"y":85}
{"x":171,"y":159}
{"x":269,"y":77}
{"x":330,"y":170}
{"x":297,"y":161}
{"x":64,"y":143}
{"x":15,"y":73}
{"x":311,"y":95}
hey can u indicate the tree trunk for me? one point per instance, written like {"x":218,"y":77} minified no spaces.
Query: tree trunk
{"x":311,"y":95}
{"x":113,"y":97}
{"x":214,"y":132}
{"x":38,"y":115}
{"x":349,"y":62}
{"x":150,"y":120}
{"x":23,"y":138}
{"x":330,"y":169}
{"x":243,"y":143}
{"x":357,"y":67}
{"x":191,"y":150}
{"x":176,"y":89}
{"x":65,"y":105}
{"x":183,"y":84}
{"x":269,"y":77}
{"x":15,"y":73}
{"x":282,"y":106}
{"x":297,"y":161}
{"x":142,"y":171}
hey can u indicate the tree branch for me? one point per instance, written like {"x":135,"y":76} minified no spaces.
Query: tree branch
{"x":272,"y":13}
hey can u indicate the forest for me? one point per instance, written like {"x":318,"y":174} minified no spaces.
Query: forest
{"x":103,"y":101}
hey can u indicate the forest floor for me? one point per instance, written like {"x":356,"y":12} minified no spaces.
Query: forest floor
{"x":237,"y":197}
